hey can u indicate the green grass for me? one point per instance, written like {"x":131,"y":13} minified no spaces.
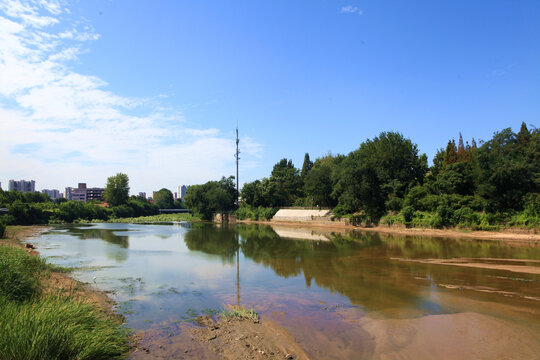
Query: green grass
{"x":58,"y":327}
{"x":153,"y":218}
{"x":19,"y":273}
{"x":240,"y":312}
{"x":40,"y":325}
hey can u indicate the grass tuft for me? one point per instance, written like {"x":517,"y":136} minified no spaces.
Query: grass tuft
{"x":240,"y":312}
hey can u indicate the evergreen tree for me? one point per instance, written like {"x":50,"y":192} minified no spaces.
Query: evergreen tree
{"x":450,"y":156}
{"x":306,"y":167}
{"x":461,"y":155}
{"x":523,"y":137}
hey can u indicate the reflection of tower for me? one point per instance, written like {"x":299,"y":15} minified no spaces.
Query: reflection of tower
{"x":237,"y":269}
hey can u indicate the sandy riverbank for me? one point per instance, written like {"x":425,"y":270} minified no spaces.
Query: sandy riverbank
{"x":507,"y":235}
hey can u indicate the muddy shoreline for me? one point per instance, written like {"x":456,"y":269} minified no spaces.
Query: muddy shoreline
{"x":507,"y":235}
{"x":210,"y":339}
{"x":59,"y":281}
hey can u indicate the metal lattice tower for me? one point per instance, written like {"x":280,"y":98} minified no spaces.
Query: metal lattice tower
{"x":237,"y":156}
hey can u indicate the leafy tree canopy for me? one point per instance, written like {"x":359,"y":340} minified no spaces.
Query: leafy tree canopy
{"x":117,"y":190}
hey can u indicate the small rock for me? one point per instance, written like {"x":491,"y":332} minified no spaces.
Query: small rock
{"x":289,"y":357}
{"x":212,"y":337}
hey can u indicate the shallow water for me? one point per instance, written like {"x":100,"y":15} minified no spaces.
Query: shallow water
{"x":342,"y":295}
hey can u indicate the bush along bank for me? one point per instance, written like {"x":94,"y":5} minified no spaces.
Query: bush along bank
{"x":40,"y":323}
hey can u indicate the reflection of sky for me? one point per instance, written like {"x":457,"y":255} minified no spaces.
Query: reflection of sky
{"x":173,"y":278}
{"x":152,"y":274}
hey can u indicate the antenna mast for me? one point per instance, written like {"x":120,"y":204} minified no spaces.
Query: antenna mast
{"x":237,"y":156}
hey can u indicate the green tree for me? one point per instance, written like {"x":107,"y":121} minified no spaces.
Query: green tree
{"x":212,"y":197}
{"x":320,"y":181}
{"x":285,"y":183}
{"x":450,"y":156}
{"x":164,"y":199}
{"x":381,"y":169}
{"x":117,"y":190}
{"x":306,"y":166}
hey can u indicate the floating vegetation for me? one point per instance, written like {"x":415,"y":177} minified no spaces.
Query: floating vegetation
{"x":126,"y":307}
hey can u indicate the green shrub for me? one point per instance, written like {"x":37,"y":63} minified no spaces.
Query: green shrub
{"x":408,"y":214}
{"x":444,"y":217}
{"x":2,"y":229}
{"x":465,"y":216}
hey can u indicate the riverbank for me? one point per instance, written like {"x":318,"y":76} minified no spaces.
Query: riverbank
{"x":509,"y":235}
{"x":209,"y":339}
{"x":46,"y":314}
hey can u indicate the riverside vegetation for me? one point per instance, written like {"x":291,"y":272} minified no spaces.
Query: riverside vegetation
{"x":386,"y":180}
{"x":482,"y":187}
{"x":43,"y":323}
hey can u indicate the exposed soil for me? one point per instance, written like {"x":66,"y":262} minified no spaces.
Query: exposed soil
{"x":224,"y":339}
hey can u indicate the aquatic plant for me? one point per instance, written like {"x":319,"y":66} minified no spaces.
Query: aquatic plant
{"x":240,"y":312}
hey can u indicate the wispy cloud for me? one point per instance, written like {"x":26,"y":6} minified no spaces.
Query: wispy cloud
{"x":49,"y":111}
{"x":349,"y":9}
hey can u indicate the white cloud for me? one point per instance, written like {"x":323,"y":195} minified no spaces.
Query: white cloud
{"x":73,"y":129}
{"x":349,"y":9}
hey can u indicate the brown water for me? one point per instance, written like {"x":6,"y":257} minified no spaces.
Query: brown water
{"x":349,"y":295}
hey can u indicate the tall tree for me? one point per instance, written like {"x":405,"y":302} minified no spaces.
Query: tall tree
{"x":164,"y":199}
{"x":286,"y":183}
{"x":306,"y":166}
{"x":212,"y":197}
{"x":450,"y":156}
{"x":381,"y":168}
{"x":523,"y":136}
{"x":117,"y":190}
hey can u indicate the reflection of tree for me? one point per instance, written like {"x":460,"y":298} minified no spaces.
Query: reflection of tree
{"x":357,"y":264}
{"x":336,"y":265}
{"x":212,"y":240}
{"x":105,"y":234}
{"x":438,"y":248}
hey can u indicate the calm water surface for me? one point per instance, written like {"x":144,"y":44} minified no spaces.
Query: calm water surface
{"x":170,"y":273}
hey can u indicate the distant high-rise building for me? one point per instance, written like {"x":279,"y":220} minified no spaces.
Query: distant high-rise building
{"x":84,"y":194}
{"x":22,"y":185}
{"x":53,"y":194}
{"x":182,"y":191}
{"x":175,"y":196}
{"x":142,"y":194}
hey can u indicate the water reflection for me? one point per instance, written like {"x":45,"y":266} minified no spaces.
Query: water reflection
{"x":200,"y":265}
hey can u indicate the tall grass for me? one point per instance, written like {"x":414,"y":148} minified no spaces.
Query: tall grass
{"x":38,"y":325}
{"x":57,"y":327}
{"x":19,"y":273}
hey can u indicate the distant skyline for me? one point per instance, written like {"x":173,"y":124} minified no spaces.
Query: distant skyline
{"x":155,"y":89}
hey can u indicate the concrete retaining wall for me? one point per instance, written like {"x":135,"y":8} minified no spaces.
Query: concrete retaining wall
{"x":300,"y":215}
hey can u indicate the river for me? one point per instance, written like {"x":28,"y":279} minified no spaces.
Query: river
{"x":351,"y":295}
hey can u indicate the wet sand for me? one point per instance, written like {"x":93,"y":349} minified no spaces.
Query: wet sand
{"x":485,"y":263}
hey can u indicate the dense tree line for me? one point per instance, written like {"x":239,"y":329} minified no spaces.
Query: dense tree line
{"x":467,"y":183}
{"x":38,"y":208}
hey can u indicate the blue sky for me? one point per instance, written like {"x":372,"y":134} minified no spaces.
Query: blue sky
{"x":154,"y":89}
